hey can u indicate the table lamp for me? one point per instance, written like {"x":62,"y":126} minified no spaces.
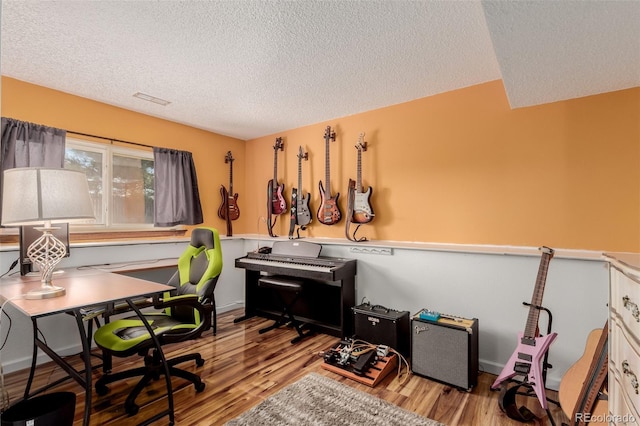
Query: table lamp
{"x":36,"y":195}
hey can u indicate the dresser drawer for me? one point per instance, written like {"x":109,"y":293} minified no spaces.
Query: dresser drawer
{"x":620,"y":412}
{"x":624,"y":368}
{"x":625,"y":301}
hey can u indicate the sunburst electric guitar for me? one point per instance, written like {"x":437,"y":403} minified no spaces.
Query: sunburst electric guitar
{"x":362,"y":210}
{"x":529,"y":355}
{"x":329,"y":211}
{"x":278,"y":204}
{"x":229,"y":209}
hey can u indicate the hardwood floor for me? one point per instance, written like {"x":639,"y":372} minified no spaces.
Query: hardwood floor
{"x":243,"y":368}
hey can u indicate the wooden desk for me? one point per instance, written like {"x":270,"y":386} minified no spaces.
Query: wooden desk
{"x":85,"y":288}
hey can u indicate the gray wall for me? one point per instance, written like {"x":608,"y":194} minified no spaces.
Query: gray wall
{"x":489,"y":285}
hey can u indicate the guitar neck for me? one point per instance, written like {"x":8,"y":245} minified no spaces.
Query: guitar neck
{"x":275,"y":167}
{"x":230,"y":179}
{"x":359,"y":172}
{"x":326,"y":176}
{"x":531,"y":329}
{"x":299,"y":194}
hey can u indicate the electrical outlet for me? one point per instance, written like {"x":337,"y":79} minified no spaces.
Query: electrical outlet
{"x":372,"y":250}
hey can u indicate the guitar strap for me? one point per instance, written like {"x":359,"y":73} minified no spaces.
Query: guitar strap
{"x":351,"y":197}
{"x":294,"y":212}
{"x":270,"y":223}
{"x":507,"y":403}
{"x":595,"y":381}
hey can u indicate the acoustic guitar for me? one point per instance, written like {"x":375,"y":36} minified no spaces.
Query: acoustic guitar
{"x":329,"y":211}
{"x":278,"y":203}
{"x":229,"y":209}
{"x":362,"y":210}
{"x":528,"y":356}
{"x":583,"y":380}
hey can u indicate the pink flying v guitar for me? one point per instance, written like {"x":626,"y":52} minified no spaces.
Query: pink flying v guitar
{"x":529,"y":355}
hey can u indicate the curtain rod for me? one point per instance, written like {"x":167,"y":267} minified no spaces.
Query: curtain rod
{"x":109,"y":139}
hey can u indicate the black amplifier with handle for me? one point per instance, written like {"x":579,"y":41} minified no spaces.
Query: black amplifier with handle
{"x":382,"y":326}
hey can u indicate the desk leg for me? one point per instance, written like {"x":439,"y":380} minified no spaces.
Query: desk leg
{"x":167,"y":372}
{"x":34,"y":357}
{"x":86,"y":349}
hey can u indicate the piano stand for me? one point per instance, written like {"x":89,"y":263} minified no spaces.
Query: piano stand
{"x":328,"y":287}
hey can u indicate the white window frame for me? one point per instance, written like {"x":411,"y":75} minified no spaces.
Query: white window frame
{"x":108,"y":151}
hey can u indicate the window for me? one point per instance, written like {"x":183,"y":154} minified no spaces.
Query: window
{"x":120,"y":182}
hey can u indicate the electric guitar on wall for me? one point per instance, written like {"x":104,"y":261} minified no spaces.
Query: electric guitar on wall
{"x":528,"y":357}
{"x":278,"y":203}
{"x":362,"y":210}
{"x":303,"y":214}
{"x":329,"y":211}
{"x":229,"y":209}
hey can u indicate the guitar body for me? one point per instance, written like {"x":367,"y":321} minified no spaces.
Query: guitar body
{"x":362,"y":210}
{"x":303,"y":214}
{"x":536,"y":354}
{"x":229,"y":204}
{"x":278,"y":203}
{"x":573,"y":381}
{"x":329,"y":211}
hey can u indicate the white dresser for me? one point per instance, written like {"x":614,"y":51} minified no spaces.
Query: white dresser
{"x":624,"y":338}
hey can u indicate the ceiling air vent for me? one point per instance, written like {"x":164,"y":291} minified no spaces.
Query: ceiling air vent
{"x":150,"y":98}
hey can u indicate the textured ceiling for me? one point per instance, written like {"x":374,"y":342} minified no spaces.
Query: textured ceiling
{"x":253,"y":68}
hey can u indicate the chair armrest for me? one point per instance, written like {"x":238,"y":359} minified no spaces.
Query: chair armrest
{"x":190,"y":300}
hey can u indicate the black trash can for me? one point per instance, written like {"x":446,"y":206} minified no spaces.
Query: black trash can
{"x":52,"y":409}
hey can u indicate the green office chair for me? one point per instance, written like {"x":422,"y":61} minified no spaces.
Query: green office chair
{"x":186,"y":313}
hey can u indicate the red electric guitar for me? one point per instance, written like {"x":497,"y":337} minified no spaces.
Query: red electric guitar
{"x":362,"y":210}
{"x":529,"y":355}
{"x":229,"y":209}
{"x":278,"y":203}
{"x":329,"y":211}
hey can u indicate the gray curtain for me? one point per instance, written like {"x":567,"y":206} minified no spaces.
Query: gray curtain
{"x":177,"y":200}
{"x":29,"y":145}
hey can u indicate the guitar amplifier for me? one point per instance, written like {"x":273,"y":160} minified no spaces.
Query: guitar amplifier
{"x":382,"y":326}
{"x":445,"y":350}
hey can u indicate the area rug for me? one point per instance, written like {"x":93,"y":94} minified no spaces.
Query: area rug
{"x":318,"y":400}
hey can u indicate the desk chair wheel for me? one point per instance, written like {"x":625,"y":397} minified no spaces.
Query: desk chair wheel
{"x":101,"y":390}
{"x":199,"y":362}
{"x":199,"y":386}
{"x":131,"y":408}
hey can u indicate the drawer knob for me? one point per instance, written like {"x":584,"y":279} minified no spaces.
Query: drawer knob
{"x":627,"y":371}
{"x":632,"y":307}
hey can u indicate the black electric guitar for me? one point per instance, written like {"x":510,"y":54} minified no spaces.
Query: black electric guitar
{"x":229,"y":209}
{"x":362,"y":210}
{"x":303,"y":214}
{"x":278,"y":203}
{"x":528,"y":357}
{"x":329,"y":211}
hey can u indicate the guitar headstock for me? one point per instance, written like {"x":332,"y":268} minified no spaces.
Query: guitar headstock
{"x":329,"y":134}
{"x":547,"y":250}
{"x":228,"y":158}
{"x":279,"y":145}
{"x":362,"y":145}
{"x":302,"y":155}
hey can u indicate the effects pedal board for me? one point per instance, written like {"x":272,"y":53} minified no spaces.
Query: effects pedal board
{"x":367,"y":365}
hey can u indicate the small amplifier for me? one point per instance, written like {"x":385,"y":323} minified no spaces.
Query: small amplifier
{"x":382,"y":326}
{"x":445,"y":350}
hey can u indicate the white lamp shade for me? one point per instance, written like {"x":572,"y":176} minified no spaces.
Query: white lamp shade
{"x":36,"y":195}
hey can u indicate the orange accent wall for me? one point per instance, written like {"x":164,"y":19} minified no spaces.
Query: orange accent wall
{"x":462,"y":167}
{"x":459,"y":167}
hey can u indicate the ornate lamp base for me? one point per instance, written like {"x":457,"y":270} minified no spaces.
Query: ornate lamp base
{"x":46,"y":252}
